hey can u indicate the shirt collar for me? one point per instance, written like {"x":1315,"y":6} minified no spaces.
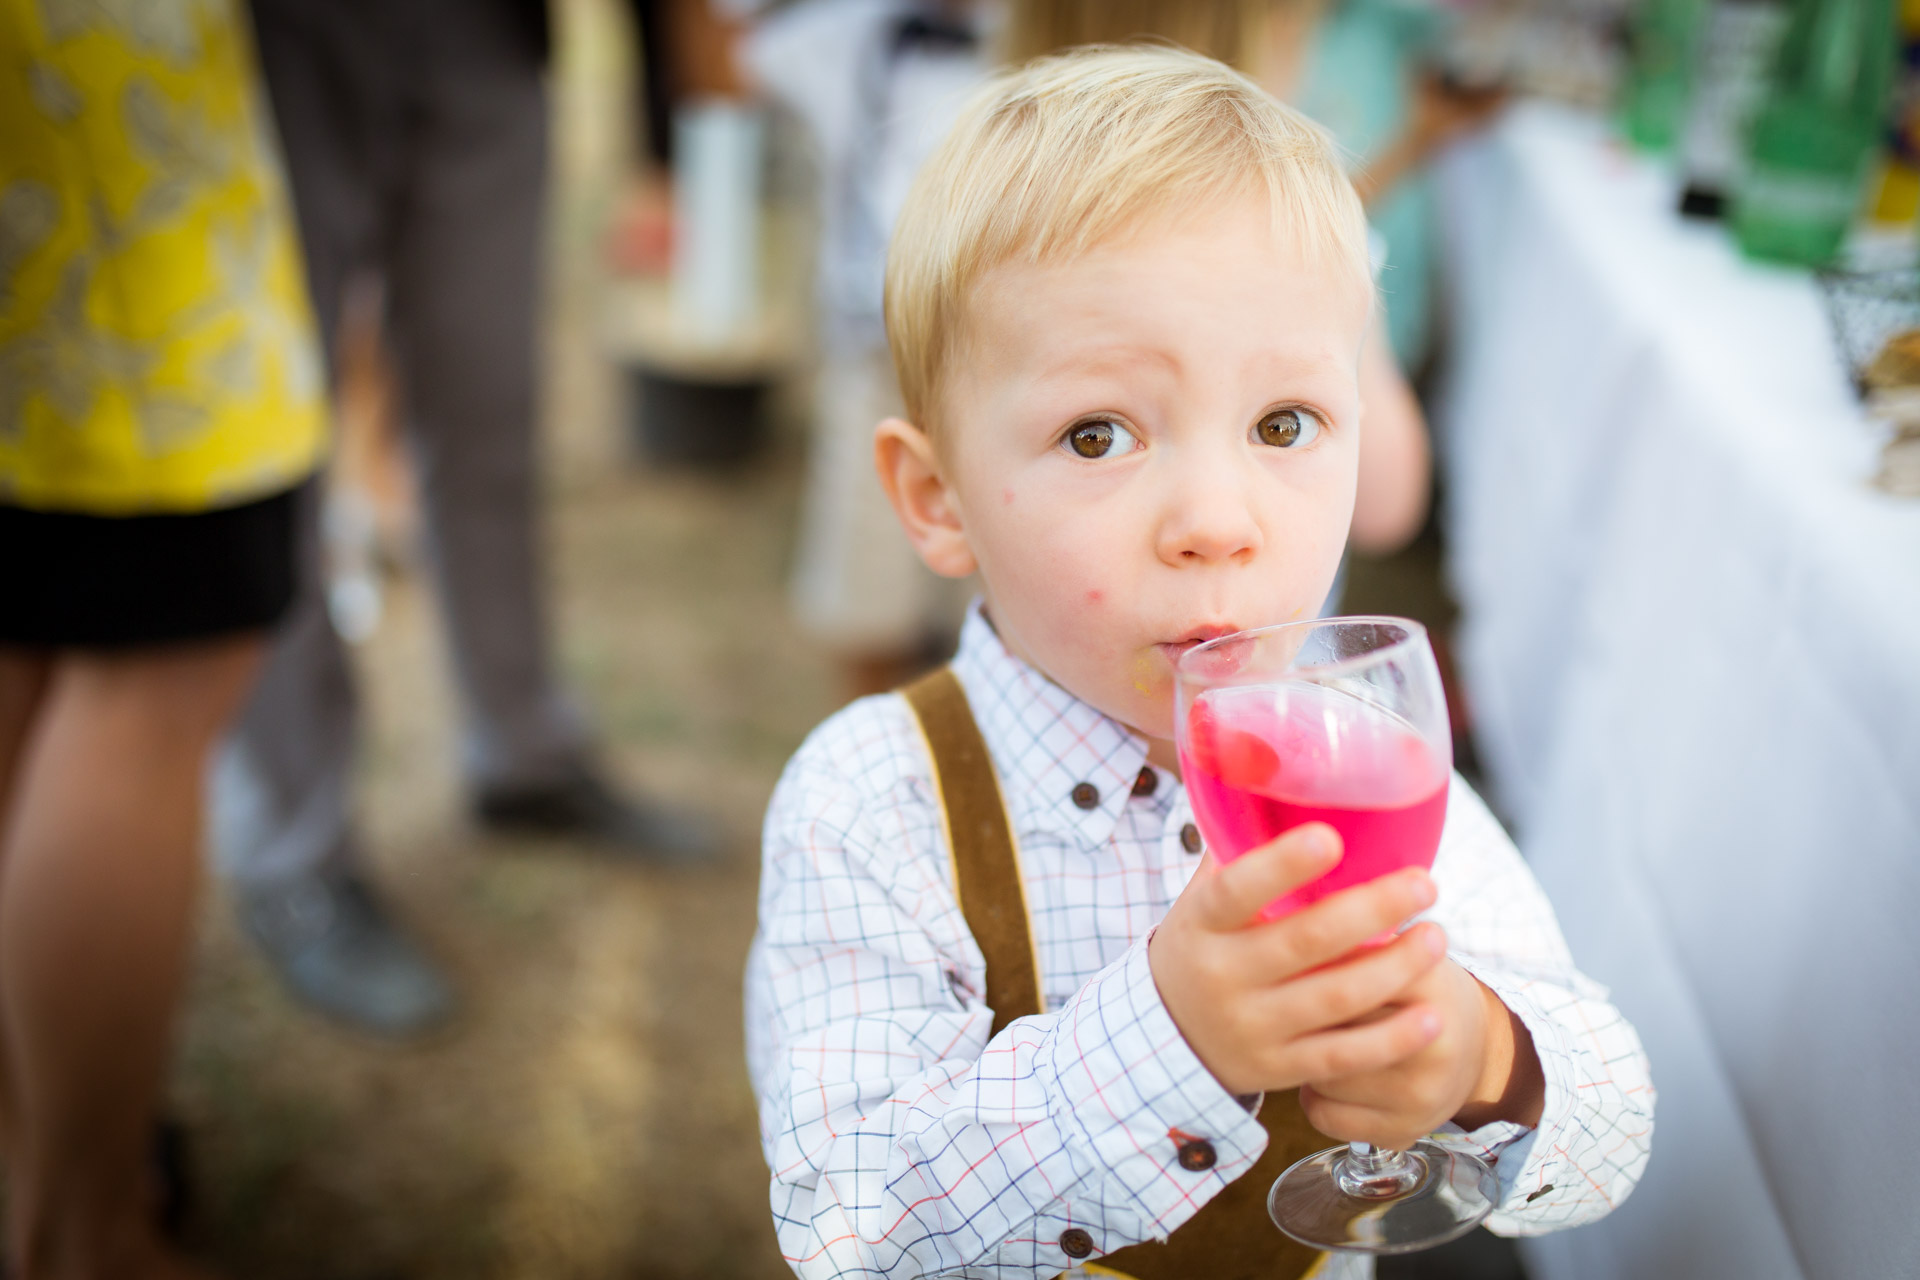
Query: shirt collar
{"x":1046,"y":742}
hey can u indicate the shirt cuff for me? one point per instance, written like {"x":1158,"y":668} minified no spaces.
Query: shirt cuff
{"x":1163,"y":1135}
{"x":1530,"y":1165}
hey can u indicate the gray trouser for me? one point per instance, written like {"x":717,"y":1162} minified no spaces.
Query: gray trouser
{"x":415,"y":140}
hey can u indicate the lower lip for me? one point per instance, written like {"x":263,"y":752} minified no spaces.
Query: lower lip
{"x":1176,"y":648}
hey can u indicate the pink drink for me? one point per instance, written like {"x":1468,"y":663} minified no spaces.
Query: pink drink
{"x":1261,"y":759}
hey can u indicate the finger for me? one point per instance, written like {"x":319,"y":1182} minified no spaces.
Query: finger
{"x":1332,"y":927}
{"x":1242,"y":887}
{"x":1351,"y":1122}
{"x":1376,"y":1090}
{"x":1374,"y":1046}
{"x":1340,"y":994}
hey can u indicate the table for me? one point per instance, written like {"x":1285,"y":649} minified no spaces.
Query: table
{"x":1691,"y":643}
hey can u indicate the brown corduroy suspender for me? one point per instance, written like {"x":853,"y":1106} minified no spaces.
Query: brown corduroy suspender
{"x":1231,"y":1238}
{"x":986,"y":870}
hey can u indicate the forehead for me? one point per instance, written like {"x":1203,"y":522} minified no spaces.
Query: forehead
{"x":1223,"y":284}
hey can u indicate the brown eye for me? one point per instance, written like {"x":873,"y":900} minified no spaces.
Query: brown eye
{"x":1100,"y":439}
{"x":1287,"y":428}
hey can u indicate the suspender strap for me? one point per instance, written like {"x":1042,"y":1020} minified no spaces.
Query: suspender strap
{"x":1231,"y":1238}
{"x":986,"y":868}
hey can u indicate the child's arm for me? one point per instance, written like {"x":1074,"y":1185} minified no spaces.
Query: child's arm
{"x":1596,"y":1098}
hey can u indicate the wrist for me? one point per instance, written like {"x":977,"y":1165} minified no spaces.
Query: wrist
{"x":1171,"y":995}
{"x":1511,"y":1086}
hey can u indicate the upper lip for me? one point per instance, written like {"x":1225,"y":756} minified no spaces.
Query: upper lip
{"x":1200,"y":635}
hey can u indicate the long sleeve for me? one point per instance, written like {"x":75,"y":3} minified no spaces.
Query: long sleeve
{"x":1597,"y":1123}
{"x":904,"y":1142}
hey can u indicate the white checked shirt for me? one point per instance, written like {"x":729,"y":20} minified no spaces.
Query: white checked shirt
{"x":904,"y":1142}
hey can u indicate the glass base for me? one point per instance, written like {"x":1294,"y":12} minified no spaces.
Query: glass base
{"x":1328,"y":1202}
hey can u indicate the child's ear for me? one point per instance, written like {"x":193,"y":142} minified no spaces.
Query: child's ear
{"x":910,"y":473}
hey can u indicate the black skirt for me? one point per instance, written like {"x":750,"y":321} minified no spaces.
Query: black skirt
{"x":82,"y":581}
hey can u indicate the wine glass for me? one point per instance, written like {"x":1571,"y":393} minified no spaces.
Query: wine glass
{"x":1341,"y":721}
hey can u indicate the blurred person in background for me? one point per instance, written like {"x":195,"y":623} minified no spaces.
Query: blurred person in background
{"x":876,"y":83}
{"x":416,"y":137}
{"x":160,"y":411}
{"x":686,"y":54}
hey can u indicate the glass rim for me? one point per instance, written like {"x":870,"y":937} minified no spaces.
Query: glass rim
{"x":1415,"y":633}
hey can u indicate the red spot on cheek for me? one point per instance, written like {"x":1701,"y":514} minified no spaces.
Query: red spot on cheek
{"x":1095,"y":596}
{"x":1006,"y":496}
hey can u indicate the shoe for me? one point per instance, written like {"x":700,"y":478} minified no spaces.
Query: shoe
{"x":339,"y":952}
{"x":582,"y":806}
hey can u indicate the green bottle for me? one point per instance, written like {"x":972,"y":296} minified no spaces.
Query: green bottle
{"x":1738,"y":44}
{"x":1664,"y":34}
{"x":1813,"y":141}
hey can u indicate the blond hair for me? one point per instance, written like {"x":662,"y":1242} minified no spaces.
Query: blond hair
{"x":1060,"y":156}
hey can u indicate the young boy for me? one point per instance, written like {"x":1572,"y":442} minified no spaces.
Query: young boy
{"x":1127,"y":300}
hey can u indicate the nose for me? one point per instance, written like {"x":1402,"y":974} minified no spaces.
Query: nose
{"x":1209,"y":518}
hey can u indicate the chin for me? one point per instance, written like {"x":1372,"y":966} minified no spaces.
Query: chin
{"x":1147,"y":710}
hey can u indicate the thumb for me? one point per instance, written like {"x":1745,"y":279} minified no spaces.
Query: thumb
{"x":1241,"y":888}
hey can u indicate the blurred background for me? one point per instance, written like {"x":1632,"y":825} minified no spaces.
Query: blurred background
{"x":1651,"y":280}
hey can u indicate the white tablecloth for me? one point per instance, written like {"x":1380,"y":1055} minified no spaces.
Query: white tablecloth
{"x":1692,"y":644}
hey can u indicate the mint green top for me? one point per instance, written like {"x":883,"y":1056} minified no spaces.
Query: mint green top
{"x":1358,"y":83}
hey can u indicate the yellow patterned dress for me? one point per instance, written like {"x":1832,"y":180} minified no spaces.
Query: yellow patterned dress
{"x":157,"y":355}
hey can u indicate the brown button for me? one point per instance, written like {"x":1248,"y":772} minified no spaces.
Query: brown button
{"x":1190,"y":838}
{"x":1075,"y":1243}
{"x":1147,"y":783}
{"x":1086,"y":795}
{"x":1197,"y":1155}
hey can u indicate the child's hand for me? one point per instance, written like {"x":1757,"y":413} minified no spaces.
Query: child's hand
{"x":1481,"y":1067}
{"x":1251,"y":996}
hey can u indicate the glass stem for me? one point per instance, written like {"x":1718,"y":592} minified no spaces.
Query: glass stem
{"x":1377,"y":1173}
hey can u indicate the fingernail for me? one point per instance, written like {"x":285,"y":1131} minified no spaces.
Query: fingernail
{"x":1424,"y":890}
{"x":1321,"y":844}
{"x":1435,"y":942}
{"x":1430,"y":1025}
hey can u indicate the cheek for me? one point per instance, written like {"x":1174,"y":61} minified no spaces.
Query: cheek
{"x":1343,"y":478}
{"x":1067,"y":586}
{"x":1061,"y":582}
{"x":1316,"y":513}
{"x":1059,"y":553}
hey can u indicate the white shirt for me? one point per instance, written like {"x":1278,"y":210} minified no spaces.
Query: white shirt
{"x":905,"y":1142}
